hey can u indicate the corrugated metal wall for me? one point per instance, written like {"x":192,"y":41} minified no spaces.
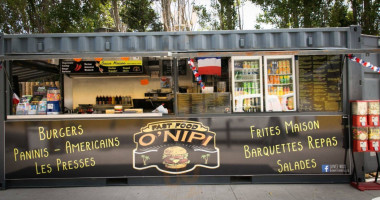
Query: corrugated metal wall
{"x":88,"y":43}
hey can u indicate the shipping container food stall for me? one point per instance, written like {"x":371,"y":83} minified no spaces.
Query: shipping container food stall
{"x":260,"y":106}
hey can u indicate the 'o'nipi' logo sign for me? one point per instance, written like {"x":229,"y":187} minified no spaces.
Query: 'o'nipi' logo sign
{"x":175,"y":147}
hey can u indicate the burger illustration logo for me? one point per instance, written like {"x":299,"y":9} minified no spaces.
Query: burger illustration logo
{"x":175,"y":157}
{"x":175,"y":147}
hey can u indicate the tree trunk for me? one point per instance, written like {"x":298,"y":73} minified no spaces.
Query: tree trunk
{"x":307,"y":13}
{"x":116,"y":16}
{"x":366,"y":18}
{"x":166,"y":14}
{"x":183,"y":18}
{"x":354,"y":5}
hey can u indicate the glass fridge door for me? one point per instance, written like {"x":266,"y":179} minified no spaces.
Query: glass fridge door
{"x":247,"y":84}
{"x":280,"y":90}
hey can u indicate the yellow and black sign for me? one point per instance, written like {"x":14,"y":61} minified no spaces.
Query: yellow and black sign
{"x":116,"y":63}
{"x":105,"y":66}
{"x":175,"y":147}
{"x":191,"y":147}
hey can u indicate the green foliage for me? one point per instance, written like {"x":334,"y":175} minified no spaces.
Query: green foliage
{"x":226,"y":11}
{"x":339,"y":16}
{"x":203,"y":15}
{"x":221,"y":16}
{"x":321,"y":13}
{"x":52,"y":16}
{"x":139,"y":16}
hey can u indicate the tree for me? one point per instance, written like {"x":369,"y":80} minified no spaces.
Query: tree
{"x":203,"y":15}
{"x":205,"y":157}
{"x":51,"y":16}
{"x":145,"y":158}
{"x":339,"y":15}
{"x":226,"y":10}
{"x":223,"y":15}
{"x":367,"y":14}
{"x":167,"y":15}
{"x":139,"y":16}
{"x":178,"y":15}
{"x":321,"y":13}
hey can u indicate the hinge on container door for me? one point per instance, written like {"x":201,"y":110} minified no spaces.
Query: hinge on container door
{"x":345,"y":120}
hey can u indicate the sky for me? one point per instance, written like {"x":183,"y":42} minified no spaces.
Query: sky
{"x":249,"y":13}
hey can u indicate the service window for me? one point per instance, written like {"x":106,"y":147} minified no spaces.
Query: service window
{"x":203,"y":86}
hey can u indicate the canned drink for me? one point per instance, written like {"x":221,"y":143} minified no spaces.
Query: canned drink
{"x":251,"y":91}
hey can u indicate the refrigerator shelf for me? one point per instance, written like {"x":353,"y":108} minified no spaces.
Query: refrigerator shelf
{"x":280,"y":74}
{"x":280,"y":84}
{"x":283,"y":95}
{"x":247,"y":96}
{"x":247,"y":80}
{"x":242,"y":69}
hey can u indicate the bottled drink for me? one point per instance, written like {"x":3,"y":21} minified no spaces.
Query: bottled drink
{"x":250,"y":89}
{"x":270,"y":90}
{"x":257,"y":87}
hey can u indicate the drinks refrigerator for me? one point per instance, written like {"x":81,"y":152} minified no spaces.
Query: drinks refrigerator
{"x":247,"y":83}
{"x":280,"y":90}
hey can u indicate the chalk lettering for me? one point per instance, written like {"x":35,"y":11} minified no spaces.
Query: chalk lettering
{"x":75,"y":164}
{"x":43,"y":169}
{"x":301,"y":126}
{"x":296,"y":165}
{"x":265,"y":132}
{"x":48,"y":134}
{"x":91,"y":145}
{"x":30,"y":154}
{"x":272,"y":150}
{"x":316,"y":143}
